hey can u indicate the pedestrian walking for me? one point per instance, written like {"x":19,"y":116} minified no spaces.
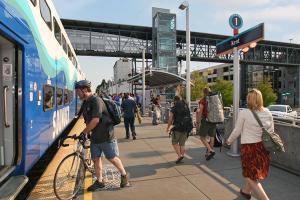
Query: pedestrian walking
{"x":255,"y":158}
{"x":205,"y":128}
{"x":178,"y":132}
{"x":99,"y":124}
{"x":129,"y":109}
{"x":156,"y":110}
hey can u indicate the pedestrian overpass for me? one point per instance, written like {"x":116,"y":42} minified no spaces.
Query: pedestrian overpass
{"x":117,"y":40}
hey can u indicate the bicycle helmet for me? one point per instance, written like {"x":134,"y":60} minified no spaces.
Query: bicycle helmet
{"x":82,"y":84}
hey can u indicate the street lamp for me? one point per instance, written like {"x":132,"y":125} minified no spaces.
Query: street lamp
{"x":144,"y":79}
{"x":185,"y":6}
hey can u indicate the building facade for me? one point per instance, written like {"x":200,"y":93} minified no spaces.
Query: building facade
{"x":283,"y":80}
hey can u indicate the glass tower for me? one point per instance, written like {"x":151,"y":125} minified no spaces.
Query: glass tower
{"x":164,"y":42}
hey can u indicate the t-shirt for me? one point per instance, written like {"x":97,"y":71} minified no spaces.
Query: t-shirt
{"x":203,"y":101}
{"x":95,"y":107}
{"x":129,"y":108}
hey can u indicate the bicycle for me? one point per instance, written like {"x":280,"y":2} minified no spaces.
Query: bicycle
{"x":70,"y":173}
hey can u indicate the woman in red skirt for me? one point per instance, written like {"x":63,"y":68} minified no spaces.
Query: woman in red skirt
{"x":255,"y":159}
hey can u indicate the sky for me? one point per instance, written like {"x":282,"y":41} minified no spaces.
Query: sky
{"x":281,"y":18}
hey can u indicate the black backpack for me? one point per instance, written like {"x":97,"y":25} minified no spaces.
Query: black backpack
{"x":113,"y":111}
{"x":182,"y":119}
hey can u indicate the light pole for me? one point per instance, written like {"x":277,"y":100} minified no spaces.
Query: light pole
{"x":185,"y":5}
{"x":143,"y":87}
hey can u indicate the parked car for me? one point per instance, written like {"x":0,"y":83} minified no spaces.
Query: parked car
{"x":284,"y":111}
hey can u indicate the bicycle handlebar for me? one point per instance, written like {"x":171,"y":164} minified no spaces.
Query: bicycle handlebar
{"x":74,"y":137}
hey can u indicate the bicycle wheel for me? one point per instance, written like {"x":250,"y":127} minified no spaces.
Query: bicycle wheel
{"x":69,"y":177}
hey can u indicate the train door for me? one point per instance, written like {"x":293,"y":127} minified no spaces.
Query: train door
{"x":9,"y":54}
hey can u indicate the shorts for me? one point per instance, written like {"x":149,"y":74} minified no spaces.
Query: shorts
{"x":109,"y":148}
{"x":179,"y":138}
{"x":207,"y":129}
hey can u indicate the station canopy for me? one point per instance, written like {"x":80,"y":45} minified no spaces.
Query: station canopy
{"x":158,"y":78}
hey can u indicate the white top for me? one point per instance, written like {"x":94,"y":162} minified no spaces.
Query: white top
{"x":248,"y":127}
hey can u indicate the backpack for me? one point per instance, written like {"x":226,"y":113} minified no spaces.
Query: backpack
{"x":215,"y":108}
{"x":183,"y":122}
{"x":113,"y":111}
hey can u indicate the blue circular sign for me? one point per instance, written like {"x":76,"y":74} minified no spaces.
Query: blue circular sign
{"x":235,"y":21}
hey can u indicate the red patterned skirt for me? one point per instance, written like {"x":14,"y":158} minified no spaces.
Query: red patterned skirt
{"x":255,"y":161}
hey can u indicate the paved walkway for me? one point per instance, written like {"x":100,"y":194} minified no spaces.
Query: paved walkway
{"x":150,"y":160}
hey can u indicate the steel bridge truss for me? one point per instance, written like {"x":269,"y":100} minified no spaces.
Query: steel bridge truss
{"x":101,"y":39}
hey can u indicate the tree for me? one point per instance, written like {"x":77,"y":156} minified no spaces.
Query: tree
{"x":199,"y":84}
{"x":226,"y":89}
{"x":269,"y":96}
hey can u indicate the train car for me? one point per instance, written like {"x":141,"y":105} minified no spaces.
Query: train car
{"x":38,"y":71}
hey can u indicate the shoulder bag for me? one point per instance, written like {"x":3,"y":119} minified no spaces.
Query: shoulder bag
{"x":271,"y":141}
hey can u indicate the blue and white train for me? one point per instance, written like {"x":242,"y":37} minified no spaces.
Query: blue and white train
{"x":38,"y":69}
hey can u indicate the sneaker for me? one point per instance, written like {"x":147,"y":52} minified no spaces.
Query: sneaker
{"x":124,"y":181}
{"x":210,"y":155}
{"x":134,"y":138}
{"x":179,"y":160}
{"x":95,"y":186}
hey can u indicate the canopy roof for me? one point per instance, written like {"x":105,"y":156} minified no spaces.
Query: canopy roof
{"x":157,"y":78}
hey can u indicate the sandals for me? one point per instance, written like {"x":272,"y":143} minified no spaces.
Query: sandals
{"x":210,"y":155}
{"x":245,"y":195}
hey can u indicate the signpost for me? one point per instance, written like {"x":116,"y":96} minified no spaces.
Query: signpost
{"x":233,"y":45}
{"x":241,"y":40}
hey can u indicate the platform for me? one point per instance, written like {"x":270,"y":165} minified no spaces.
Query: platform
{"x":150,"y":161}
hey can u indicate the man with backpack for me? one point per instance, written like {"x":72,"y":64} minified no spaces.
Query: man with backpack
{"x":206,"y":128}
{"x":100,"y":125}
{"x":180,"y":118}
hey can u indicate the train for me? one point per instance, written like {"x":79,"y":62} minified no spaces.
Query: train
{"x":39,"y":69}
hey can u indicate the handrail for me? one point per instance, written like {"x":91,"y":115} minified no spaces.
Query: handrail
{"x":5,"y":106}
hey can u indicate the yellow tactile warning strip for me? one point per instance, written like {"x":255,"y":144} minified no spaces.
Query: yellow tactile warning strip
{"x":44,"y":188}
{"x":87,"y":182}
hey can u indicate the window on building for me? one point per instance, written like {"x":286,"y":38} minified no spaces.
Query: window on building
{"x":225,"y":69}
{"x":279,"y":84}
{"x":48,"y":100}
{"x":225,"y":77}
{"x":215,"y":71}
{"x":57,"y":31}
{"x":231,"y":77}
{"x":209,"y":80}
{"x":59,"y":96}
{"x":46,"y":13}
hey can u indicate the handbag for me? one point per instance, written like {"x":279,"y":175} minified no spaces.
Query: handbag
{"x":271,"y":140}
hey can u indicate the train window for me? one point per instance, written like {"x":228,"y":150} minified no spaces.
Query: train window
{"x":69,"y":53}
{"x":48,"y":97}
{"x":33,"y":2}
{"x":71,"y":95}
{"x":59,"y":96}
{"x":57,"y":31}
{"x":45,"y":12}
{"x":66,"y":97}
{"x":64,"y":44}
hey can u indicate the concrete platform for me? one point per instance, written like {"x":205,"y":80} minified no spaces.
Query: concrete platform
{"x":150,"y":161}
